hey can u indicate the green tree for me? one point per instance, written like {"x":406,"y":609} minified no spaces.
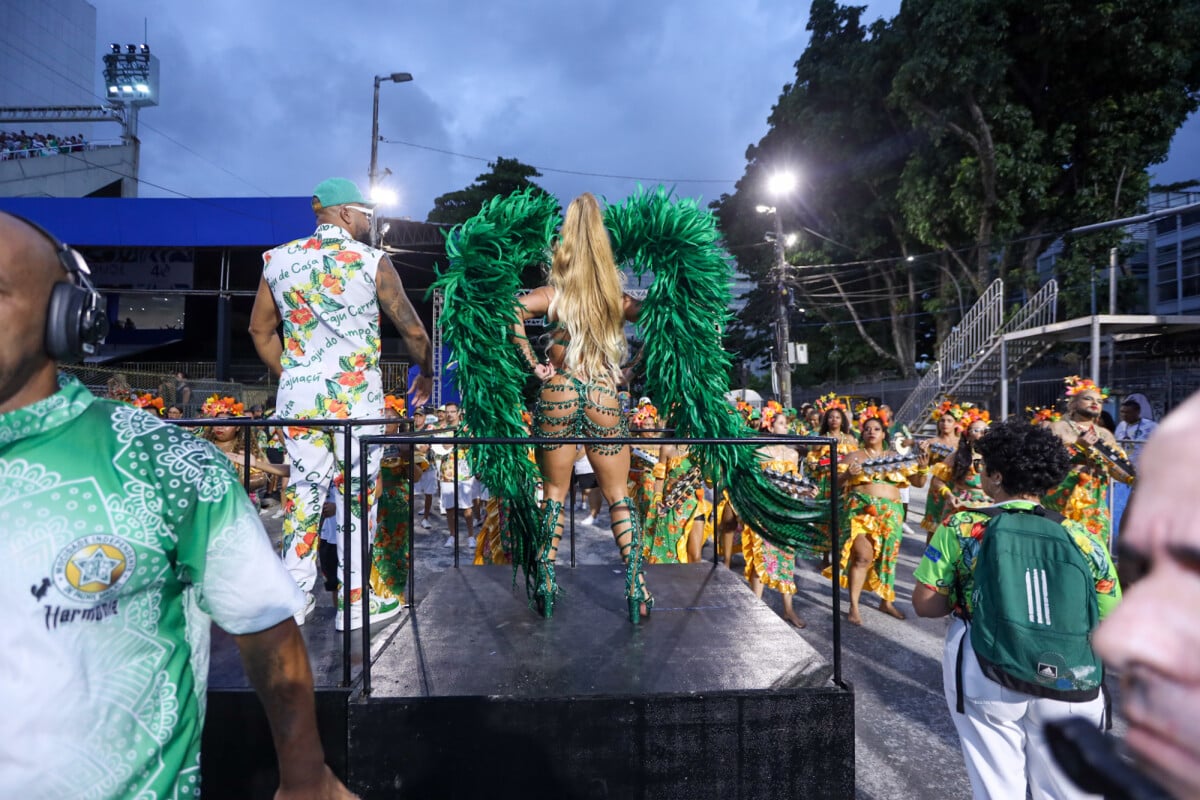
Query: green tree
{"x":834,"y":126}
{"x":506,"y":175}
{"x":979,"y":130}
{"x":1034,"y":119}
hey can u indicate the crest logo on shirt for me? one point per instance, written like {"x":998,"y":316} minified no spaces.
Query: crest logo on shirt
{"x":93,"y":568}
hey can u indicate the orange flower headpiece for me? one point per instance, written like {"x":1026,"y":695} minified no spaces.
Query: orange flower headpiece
{"x":1076,"y":384}
{"x":771,"y":410}
{"x":873,"y":412}
{"x":215,"y":406}
{"x":948,"y":407}
{"x":394,"y":403}
{"x":148,"y":402}
{"x":749,"y":414}
{"x":973,"y":413}
{"x":645,"y":415}
{"x":828,"y":401}
{"x":1043,"y":416}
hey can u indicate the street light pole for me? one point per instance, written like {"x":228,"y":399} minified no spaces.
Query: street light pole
{"x":782,"y":329}
{"x":780,"y":184}
{"x":396,"y":77}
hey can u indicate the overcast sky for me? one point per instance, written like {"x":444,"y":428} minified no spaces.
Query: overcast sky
{"x":266,"y":97}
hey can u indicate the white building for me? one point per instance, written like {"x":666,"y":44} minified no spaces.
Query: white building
{"x":50,"y":85}
{"x":1173,"y":247}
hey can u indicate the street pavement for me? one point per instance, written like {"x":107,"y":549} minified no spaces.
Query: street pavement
{"x":905,"y":743}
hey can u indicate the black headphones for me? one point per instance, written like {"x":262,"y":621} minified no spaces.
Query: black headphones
{"x":75,"y":318}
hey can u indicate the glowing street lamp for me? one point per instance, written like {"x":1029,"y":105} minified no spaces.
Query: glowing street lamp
{"x":395,"y":77}
{"x":381,"y":195}
{"x":780,"y":184}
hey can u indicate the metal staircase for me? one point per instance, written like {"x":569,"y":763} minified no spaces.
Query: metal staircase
{"x":969,"y":338}
{"x":968,"y":366}
{"x":982,"y":381}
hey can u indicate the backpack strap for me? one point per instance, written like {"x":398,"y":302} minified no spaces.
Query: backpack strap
{"x":1107,"y":704}
{"x":958,"y":681}
{"x":1037,"y":510}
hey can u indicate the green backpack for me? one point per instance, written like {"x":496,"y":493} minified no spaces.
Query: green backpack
{"x":1034,"y":608}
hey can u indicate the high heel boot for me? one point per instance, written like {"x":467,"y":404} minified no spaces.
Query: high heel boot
{"x":547,"y":586}
{"x":628,"y":533}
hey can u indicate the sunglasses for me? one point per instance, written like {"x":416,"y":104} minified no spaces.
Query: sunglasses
{"x":370,"y":212}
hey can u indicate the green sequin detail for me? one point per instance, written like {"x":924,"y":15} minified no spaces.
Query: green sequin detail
{"x":578,"y":424}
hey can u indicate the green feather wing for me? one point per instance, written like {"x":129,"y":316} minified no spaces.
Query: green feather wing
{"x":682,"y":319}
{"x":487,"y":254}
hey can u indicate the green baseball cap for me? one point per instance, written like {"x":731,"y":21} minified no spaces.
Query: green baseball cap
{"x":337,"y":192}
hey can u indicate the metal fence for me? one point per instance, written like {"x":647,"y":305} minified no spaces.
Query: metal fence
{"x":407,"y":440}
{"x":158,"y":378}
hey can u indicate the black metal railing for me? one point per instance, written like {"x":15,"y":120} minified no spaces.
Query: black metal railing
{"x":412,"y":439}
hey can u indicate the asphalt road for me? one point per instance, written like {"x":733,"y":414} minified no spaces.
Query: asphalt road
{"x":905,"y":742}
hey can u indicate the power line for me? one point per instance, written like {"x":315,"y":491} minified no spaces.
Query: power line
{"x":144,"y":124}
{"x":560,"y":171}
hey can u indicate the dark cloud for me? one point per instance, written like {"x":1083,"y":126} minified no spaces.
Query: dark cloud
{"x":275,"y":96}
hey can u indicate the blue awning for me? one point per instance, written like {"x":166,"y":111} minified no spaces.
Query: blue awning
{"x":168,"y":222}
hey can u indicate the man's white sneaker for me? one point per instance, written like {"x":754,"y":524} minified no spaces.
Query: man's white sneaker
{"x":310,"y":602}
{"x":425,"y":523}
{"x":381,"y":608}
{"x":590,"y":519}
{"x":449,"y":542}
{"x":907,"y":530}
{"x":470,"y":542}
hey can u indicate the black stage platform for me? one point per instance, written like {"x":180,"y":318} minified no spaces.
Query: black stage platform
{"x":474,"y":695}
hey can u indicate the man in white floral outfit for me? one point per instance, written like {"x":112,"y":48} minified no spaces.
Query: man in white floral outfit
{"x":116,"y":557}
{"x":328,"y":290}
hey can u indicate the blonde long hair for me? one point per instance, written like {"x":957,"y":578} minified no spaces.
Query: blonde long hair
{"x":588,"y":295}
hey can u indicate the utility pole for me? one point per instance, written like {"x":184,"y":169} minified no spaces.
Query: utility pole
{"x":782,"y":330}
{"x":779,"y":185}
{"x":395,"y":77}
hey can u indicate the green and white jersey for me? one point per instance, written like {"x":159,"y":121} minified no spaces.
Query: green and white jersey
{"x":121,"y":539}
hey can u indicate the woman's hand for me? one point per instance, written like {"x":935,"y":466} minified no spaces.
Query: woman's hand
{"x":544,"y":372}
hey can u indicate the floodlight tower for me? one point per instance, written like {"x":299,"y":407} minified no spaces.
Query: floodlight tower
{"x":131,"y":80}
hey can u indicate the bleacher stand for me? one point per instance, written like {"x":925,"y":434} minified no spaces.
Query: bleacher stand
{"x":35,"y":145}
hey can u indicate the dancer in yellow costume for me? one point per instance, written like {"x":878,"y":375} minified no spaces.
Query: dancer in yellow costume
{"x":768,"y":564}
{"x":956,"y":483}
{"x":872,"y":519}
{"x":677,"y":524}
{"x":835,"y":424}
{"x":641,"y":472}
{"x":389,"y":551}
{"x":1095,"y":455}
{"x":948,"y":417}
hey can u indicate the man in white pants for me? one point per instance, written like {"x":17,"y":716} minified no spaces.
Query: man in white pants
{"x":1000,"y":728}
{"x":461,"y":502}
{"x":328,"y":291}
{"x":427,"y":482}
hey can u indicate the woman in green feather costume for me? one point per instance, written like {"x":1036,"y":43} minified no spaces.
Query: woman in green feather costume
{"x":686,"y":368}
{"x":586,"y":309}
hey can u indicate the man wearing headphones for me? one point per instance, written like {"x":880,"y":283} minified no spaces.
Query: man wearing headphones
{"x":121,"y":538}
